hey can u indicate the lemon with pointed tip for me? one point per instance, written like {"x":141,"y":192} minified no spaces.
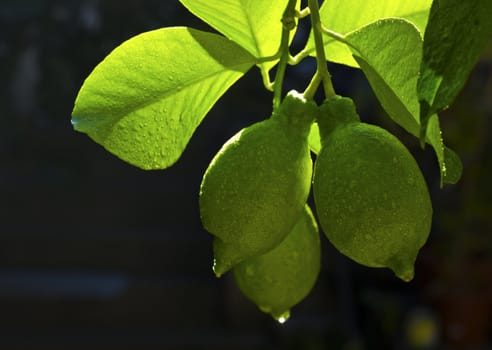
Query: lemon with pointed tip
{"x":256,"y":186}
{"x":282,"y":277}
{"x":371,"y":198}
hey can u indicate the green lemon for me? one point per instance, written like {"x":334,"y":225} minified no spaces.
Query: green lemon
{"x":371,"y":198}
{"x":256,"y":186}
{"x":282,"y":277}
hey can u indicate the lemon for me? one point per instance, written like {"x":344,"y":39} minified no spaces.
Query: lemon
{"x":282,"y":277}
{"x":371,"y":198}
{"x":257,"y":184}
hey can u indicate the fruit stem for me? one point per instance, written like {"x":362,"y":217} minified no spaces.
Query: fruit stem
{"x":312,"y":87}
{"x":337,"y":36}
{"x":303,"y":13}
{"x":322,"y":69}
{"x":288,"y":24}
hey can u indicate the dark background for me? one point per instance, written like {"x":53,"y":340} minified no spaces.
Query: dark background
{"x":97,"y":254}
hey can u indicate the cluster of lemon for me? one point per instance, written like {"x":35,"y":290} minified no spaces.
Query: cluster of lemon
{"x":370,"y":196}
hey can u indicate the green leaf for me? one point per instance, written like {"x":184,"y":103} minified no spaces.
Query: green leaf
{"x":450,"y":165}
{"x":389,"y":52}
{"x":254,"y":25}
{"x":454,"y":40}
{"x":454,"y":167}
{"x":345,"y":16}
{"x":146,"y":98}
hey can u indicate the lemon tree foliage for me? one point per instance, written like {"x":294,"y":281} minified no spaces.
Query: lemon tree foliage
{"x":457,"y":34}
{"x":389,"y":52}
{"x":247,"y":22}
{"x":357,"y":14}
{"x":136,"y":102}
{"x":144,"y":101}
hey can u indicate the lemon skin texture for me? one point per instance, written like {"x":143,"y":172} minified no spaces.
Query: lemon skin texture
{"x":370,"y":196}
{"x":256,"y":186}
{"x":282,"y":277}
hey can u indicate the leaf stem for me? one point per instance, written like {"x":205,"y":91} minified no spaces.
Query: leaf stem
{"x":265,"y":76}
{"x":322,"y":69}
{"x":306,"y":52}
{"x":334,"y":35}
{"x":293,"y":60}
{"x":338,"y":37}
{"x":288,"y":24}
{"x":303,"y":13}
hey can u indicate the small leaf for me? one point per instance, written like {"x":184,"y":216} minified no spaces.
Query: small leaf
{"x":345,"y":16}
{"x":454,"y":39}
{"x":449,"y":162}
{"x":314,"y":138}
{"x":254,"y":25}
{"x":454,"y":167}
{"x":389,"y":52}
{"x":145,"y":99}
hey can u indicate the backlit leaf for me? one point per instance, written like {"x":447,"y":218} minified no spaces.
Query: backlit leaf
{"x":389,"y":52}
{"x":345,"y":16}
{"x":145,"y":99}
{"x":254,"y":25}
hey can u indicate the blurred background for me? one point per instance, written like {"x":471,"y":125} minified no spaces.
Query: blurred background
{"x":96,"y":254}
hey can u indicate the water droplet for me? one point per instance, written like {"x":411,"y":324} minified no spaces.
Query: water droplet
{"x":214,"y":268}
{"x":284,"y":317}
